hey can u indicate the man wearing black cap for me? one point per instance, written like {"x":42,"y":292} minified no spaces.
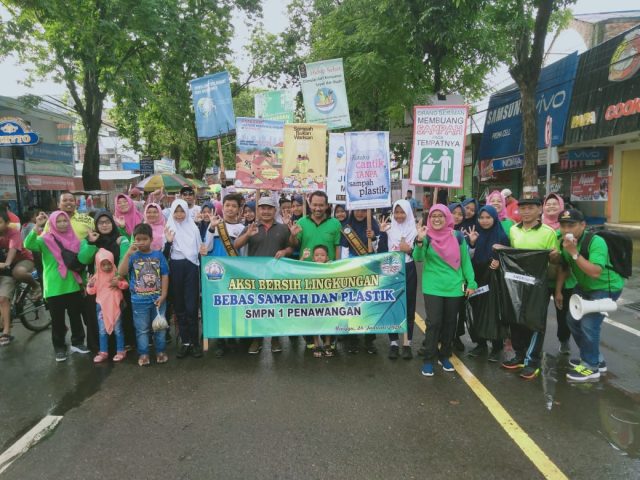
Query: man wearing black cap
{"x":596,"y":280}
{"x":530,"y":233}
{"x":188,"y":195}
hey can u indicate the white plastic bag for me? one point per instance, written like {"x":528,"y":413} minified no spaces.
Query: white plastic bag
{"x":160,"y":322}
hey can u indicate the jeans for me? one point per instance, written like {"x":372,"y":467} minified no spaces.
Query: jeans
{"x":143,"y":315}
{"x":586,"y":332}
{"x":103,"y":336}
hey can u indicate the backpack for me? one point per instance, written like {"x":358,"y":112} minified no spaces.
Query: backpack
{"x":620,"y":249}
{"x":70,"y":259}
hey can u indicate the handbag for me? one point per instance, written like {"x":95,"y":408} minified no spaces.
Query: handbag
{"x":70,"y":259}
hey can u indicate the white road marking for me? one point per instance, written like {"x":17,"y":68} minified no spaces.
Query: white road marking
{"x":622,"y":326}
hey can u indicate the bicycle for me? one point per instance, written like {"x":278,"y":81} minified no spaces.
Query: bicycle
{"x":34,"y":316}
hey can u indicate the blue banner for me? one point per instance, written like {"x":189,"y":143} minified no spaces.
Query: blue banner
{"x":503,"y":133}
{"x":586,"y":154}
{"x":213,"y":105}
{"x":509,"y":163}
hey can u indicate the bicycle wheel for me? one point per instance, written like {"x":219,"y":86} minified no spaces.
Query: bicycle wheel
{"x":34,"y":316}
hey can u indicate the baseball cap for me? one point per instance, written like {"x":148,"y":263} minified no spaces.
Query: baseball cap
{"x":268,"y":201}
{"x":571,"y":216}
{"x":530,"y":201}
{"x":186,"y":189}
{"x":506,"y":193}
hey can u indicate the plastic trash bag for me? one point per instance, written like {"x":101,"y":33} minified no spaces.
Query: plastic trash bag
{"x":486,"y":321}
{"x":160,"y":322}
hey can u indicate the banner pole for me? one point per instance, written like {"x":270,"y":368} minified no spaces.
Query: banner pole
{"x":369,"y":241}
{"x":220,"y":155}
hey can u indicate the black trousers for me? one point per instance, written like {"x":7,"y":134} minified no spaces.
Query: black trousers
{"x":72,"y":304}
{"x":527,"y":344}
{"x":442,"y":315}
{"x":564,"y":334}
{"x":185,"y":288}
{"x":412,"y":287}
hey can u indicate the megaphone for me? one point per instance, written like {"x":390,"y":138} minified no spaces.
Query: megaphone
{"x":580,"y":307}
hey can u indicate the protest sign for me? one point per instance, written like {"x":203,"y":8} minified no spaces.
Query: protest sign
{"x":213,"y":106}
{"x":368,"y":173}
{"x":437,"y":158}
{"x":305,"y":157}
{"x":337,"y":171}
{"x":264,"y":297}
{"x":259,"y":145}
{"x":324,"y":93}
{"x":276,"y":105}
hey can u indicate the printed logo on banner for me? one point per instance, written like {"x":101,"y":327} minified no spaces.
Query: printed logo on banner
{"x":214,"y":271}
{"x":391,"y":265}
{"x":625,"y":60}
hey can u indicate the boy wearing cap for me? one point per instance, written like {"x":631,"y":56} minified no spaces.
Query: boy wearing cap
{"x":596,"y":280}
{"x":530,"y":233}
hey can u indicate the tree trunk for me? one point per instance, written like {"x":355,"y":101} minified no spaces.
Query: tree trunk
{"x":530,"y":130}
{"x":91,"y":167}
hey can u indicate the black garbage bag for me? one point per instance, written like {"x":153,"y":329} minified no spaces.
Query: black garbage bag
{"x":523,"y":287}
{"x":486,"y":321}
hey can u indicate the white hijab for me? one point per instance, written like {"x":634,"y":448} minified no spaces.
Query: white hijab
{"x":406,"y":229}
{"x":187,"y":235}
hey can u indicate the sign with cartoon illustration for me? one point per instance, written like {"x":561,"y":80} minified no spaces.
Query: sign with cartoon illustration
{"x":276,"y":105}
{"x":438,"y":146}
{"x":337,"y":171}
{"x":325,"y":94}
{"x":304,"y":164}
{"x":213,"y":106}
{"x":368,"y":178}
{"x":259,"y":149}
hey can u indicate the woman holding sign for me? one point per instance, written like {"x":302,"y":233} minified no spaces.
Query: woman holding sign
{"x":447,"y":278}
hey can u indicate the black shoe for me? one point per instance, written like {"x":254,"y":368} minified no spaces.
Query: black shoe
{"x":219,"y":350}
{"x":371,"y":349}
{"x":393,"y":352}
{"x":495,"y":355}
{"x":183,"y":351}
{"x":196,"y":351}
{"x":479,"y":351}
{"x":458,"y":345}
{"x":407,"y":354}
{"x":353,"y":348}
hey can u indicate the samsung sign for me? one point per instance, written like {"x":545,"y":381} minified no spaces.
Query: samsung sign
{"x":503,"y":132}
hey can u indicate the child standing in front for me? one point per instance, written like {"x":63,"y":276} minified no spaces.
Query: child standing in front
{"x":321,"y":255}
{"x":148,"y":274}
{"x":107,"y":288}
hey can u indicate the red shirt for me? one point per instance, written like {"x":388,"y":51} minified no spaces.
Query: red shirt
{"x":12,"y":239}
{"x":513,"y":213}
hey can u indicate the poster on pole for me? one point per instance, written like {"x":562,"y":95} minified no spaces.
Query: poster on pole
{"x":325,"y":94}
{"x":276,"y":105}
{"x":213,"y":105}
{"x":337,"y":171}
{"x":437,"y":158}
{"x":259,"y":145}
{"x":368,"y":172}
{"x":304,"y":164}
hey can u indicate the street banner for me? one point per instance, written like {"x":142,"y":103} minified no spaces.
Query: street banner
{"x":265,"y":297}
{"x":324,"y":93}
{"x":213,"y":105}
{"x":337,"y":171}
{"x":590,"y":186}
{"x":368,"y":171}
{"x":259,"y":149}
{"x":276,"y":105}
{"x":305,"y":157}
{"x":437,"y":158}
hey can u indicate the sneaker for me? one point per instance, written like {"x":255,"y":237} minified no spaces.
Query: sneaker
{"x":101,"y":357}
{"x":582,"y":374}
{"x":495,"y":356}
{"x":61,"y":356}
{"x":394,"y":350}
{"x":458,"y":345}
{"x":513,"y":364}
{"x":255,"y":347}
{"x":371,"y":349}
{"x":6,"y":339}
{"x":602,"y":367}
{"x":407,"y":354}
{"x":427,"y":370}
{"x":529,"y":373}
{"x":184,"y":350}
{"x":480,"y":350}
{"x":565,"y":348}
{"x":196,"y":351}
{"x":79,"y":349}
{"x":446,"y":365}
{"x":276,"y":347}
{"x":353,"y":347}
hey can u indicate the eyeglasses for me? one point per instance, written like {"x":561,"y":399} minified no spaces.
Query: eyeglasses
{"x":104,"y":222}
{"x":187,"y":194}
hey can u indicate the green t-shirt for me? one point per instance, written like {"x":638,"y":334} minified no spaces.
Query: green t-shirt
{"x":327,"y":233}
{"x":438,"y":277}
{"x":539,"y":237}
{"x":598,"y":255}
{"x":507,"y":223}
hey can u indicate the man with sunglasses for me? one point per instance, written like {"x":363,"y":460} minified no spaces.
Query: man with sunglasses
{"x":188,"y":195}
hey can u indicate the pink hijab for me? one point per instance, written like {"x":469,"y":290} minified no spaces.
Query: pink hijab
{"x":444,"y":241}
{"x":68,"y":240}
{"x":157,"y":243}
{"x":132,"y":218}
{"x":496,"y":193}
{"x":108,"y":298}
{"x":552,"y":220}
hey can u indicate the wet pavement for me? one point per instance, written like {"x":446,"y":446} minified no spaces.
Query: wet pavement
{"x":290,"y":415}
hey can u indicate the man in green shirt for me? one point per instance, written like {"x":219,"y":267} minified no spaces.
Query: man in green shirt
{"x":596,"y":280}
{"x":317,"y":228}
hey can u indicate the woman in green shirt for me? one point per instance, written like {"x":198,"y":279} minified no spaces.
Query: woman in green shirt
{"x":447,"y":277}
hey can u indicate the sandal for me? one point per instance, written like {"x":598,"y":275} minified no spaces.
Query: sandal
{"x":120,"y":356}
{"x":143,"y":360}
{"x":6,"y":339}
{"x":162,"y":358}
{"x":328,"y":351}
{"x":101,"y":357}
{"x":317,"y":352}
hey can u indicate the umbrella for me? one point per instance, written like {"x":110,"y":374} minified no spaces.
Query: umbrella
{"x":171,"y":182}
{"x":196,"y":183}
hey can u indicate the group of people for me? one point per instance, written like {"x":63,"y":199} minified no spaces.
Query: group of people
{"x":124,"y":273}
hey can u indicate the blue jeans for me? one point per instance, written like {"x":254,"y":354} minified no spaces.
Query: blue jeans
{"x":143,"y":315}
{"x":586,"y":332}
{"x":103,"y":336}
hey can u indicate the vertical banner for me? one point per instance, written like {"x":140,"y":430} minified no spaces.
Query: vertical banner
{"x":213,"y":106}
{"x":437,"y":157}
{"x":305,"y":157}
{"x":325,"y":94}
{"x":259,"y":145}
{"x":337,"y":171}
{"x":276,"y":105}
{"x":368,"y":172}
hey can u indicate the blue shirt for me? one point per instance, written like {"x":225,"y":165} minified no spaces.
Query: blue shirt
{"x":145,"y":276}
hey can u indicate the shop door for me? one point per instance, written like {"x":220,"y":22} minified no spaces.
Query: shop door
{"x":629,"y":211}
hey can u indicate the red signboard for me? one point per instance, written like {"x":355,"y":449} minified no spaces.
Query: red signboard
{"x":590,"y":186}
{"x":44,"y":182}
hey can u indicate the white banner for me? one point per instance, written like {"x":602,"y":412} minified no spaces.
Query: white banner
{"x":337,"y":171}
{"x":368,"y":173}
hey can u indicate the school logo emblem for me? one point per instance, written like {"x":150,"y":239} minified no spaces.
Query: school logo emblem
{"x":214,"y":271}
{"x":390,"y":265}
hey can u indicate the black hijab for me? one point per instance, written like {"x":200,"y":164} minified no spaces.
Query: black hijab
{"x":109,"y":241}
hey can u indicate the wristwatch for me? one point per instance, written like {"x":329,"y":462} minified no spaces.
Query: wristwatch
{"x":575,"y":257}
